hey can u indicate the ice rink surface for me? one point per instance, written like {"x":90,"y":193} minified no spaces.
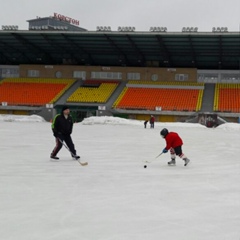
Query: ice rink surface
{"x":115,"y":197}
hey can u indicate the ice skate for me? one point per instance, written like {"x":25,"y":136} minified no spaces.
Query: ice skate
{"x":76,"y":157}
{"x":186,"y":160}
{"x":54,"y":157}
{"x":172,"y":162}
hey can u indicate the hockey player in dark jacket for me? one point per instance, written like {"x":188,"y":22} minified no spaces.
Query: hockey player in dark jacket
{"x":174,"y":144}
{"x":62,"y":127}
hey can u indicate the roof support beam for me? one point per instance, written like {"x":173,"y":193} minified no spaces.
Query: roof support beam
{"x":166,"y":56}
{"x":79,"y":56}
{"x":122,"y":56}
{"x":220,"y":53}
{"x":13,"y":51}
{"x":36,"y":49}
{"x":192,"y":51}
{"x":133,"y":44}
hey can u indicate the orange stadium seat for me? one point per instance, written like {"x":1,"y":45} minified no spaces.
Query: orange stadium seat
{"x":167,"y":99}
{"x":29,"y":93}
{"x":227,"y":98}
{"x":35,"y":92}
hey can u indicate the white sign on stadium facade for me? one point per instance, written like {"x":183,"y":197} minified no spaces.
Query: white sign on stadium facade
{"x":101,"y":107}
{"x":66,"y":19}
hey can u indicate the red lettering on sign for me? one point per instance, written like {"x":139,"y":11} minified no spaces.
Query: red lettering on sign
{"x":66,"y":19}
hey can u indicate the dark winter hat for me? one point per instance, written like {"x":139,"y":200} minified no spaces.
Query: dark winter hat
{"x":64,"y":108}
{"x":164,"y":132}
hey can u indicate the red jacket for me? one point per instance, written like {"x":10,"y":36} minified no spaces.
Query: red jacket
{"x":173,"y":140}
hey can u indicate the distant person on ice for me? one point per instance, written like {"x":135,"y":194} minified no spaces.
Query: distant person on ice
{"x":145,"y":123}
{"x":152,"y":120}
{"x":174,"y":144}
{"x":62,"y":126}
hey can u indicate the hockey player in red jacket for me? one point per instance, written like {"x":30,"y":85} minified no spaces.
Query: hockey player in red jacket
{"x":174,"y":144}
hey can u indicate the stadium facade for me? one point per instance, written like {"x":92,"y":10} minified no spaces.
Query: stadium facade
{"x":57,"y":48}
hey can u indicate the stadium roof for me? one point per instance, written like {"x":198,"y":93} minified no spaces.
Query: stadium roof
{"x":214,"y":50}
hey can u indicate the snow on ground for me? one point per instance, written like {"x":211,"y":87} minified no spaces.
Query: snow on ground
{"x":114,"y":197}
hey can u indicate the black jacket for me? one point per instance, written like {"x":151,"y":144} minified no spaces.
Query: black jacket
{"x":62,"y":125}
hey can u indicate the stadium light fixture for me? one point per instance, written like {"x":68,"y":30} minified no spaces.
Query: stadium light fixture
{"x":126,"y":29}
{"x":9,"y":27}
{"x":219,"y":29}
{"x":189,"y":29}
{"x":158,"y":29}
{"x":103,"y":29}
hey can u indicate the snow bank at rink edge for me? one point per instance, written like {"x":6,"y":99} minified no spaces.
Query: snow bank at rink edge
{"x":107,"y":120}
{"x":20,"y":118}
{"x":230,"y":126}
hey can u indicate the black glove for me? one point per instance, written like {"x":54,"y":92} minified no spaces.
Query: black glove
{"x":57,"y":134}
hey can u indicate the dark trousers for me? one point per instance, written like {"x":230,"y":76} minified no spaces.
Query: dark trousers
{"x":68,"y":140}
{"x":176,"y":150}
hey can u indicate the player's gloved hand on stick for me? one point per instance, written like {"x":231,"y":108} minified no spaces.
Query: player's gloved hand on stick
{"x":164,"y":150}
{"x":57,"y":134}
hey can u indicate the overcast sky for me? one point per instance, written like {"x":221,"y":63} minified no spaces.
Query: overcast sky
{"x":141,"y":14}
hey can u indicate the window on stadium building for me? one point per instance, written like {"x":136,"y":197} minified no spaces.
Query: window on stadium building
{"x":181,"y":77}
{"x":33,"y":73}
{"x":219,"y":76}
{"x":133,"y":76}
{"x":79,"y":74}
{"x":230,"y":77}
{"x":106,"y":75}
{"x":208,"y":77}
{"x":9,"y":72}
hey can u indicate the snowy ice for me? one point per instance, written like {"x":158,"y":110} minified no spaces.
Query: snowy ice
{"x":115,"y":197}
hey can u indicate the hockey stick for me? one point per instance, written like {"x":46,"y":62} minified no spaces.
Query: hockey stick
{"x":83,"y":164}
{"x":159,"y":155}
{"x":154,"y":158}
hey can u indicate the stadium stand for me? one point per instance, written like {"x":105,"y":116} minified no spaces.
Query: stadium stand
{"x":227,"y":97}
{"x":144,"y":95}
{"x":34,"y":92}
{"x":93,"y":91}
